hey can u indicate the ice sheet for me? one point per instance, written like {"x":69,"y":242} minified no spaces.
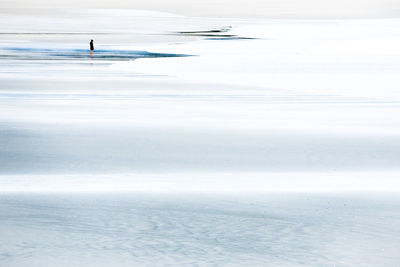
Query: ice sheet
{"x":266,"y":146}
{"x":206,"y":230}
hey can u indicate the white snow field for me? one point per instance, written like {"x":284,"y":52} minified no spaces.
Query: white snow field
{"x":198,"y":141}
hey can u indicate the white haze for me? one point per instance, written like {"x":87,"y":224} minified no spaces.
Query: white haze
{"x":236,"y":8}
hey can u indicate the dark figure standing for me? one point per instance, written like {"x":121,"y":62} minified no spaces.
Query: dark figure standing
{"x":91,"y":48}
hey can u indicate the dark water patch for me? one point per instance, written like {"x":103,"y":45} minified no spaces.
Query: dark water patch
{"x":230,"y":38}
{"x":211,"y":35}
{"x":224,"y":29}
{"x":219,"y":34}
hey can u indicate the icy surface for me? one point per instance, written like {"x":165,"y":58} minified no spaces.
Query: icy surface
{"x":235,"y":110}
{"x":206,"y":230}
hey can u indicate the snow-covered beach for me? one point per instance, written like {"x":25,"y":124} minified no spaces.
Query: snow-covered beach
{"x":189,"y":140}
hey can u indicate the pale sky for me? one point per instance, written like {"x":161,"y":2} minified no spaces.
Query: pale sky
{"x":237,"y":8}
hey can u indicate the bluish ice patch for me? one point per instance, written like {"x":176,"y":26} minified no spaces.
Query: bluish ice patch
{"x":50,"y":53}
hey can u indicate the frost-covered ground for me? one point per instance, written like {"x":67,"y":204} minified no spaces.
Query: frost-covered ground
{"x":197,"y":140}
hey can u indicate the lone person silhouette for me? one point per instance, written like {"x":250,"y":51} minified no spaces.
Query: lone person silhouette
{"x":91,"y":48}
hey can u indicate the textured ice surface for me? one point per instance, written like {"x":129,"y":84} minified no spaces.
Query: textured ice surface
{"x":207,"y":230}
{"x":263,"y":106}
